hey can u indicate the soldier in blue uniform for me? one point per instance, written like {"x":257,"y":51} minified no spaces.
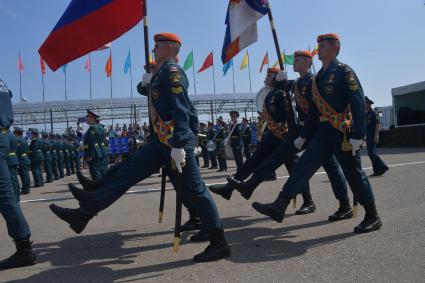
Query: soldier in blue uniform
{"x":302,"y":89}
{"x":246,"y":137}
{"x":275,"y":111}
{"x":66,"y":154}
{"x":47,"y":150}
{"x":220,"y":135}
{"x":24,"y":161}
{"x":54,"y":155}
{"x":17,"y":226}
{"x":373,"y":123}
{"x":213,"y":153}
{"x":13,"y":164}
{"x":236,"y":138}
{"x":338,"y":102}
{"x":174,"y":123}
{"x":60,"y":153}
{"x":202,"y":143}
{"x":36,"y":156}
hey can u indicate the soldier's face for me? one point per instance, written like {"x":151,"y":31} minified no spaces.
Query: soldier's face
{"x":160,"y":51}
{"x":327,"y":50}
{"x":90,"y":120}
{"x":301,"y":64}
{"x":268,"y":80}
{"x":234,"y":118}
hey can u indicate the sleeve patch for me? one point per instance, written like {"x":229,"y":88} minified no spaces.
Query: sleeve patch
{"x":177,"y":90}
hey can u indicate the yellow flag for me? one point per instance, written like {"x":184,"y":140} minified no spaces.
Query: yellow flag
{"x":245,"y":61}
{"x":150,"y":58}
{"x":282,"y":55}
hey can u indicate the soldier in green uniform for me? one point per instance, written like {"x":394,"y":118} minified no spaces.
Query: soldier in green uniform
{"x":236,"y":138}
{"x":47,"y":150}
{"x":13,"y":163}
{"x":36,"y":156}
{"x":94,"y":151}
{"x":246,"y":137}
{"x":77,"y":157}
{"x":220,"y":135}
{"x":66,"y":155}
{"x":210,"y":138}
{"x":70,"y":144}
{"x":24,"y":161}
{"x":54,"y":156}
{"x":59,"y":152}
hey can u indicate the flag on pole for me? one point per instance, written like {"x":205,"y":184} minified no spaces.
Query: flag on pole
{"x":87,"y":66}
{"x":209,"y":62}
{"x":245,"y":61}
{"x":188,"y":62}
{"x":64,"y":68}
{"x":108,"y":66}
{"x":241,"y":22}
{"x":265,"y":61}
{"x":127,"y":64}
{"x":150,"y":57}
{"x":289,"y":59}
{"x":21,"y":66}
{"x":315,"y":50}
{"x":42,"y":66}
{"x":227,"y":66}
{"x":88,"y":25}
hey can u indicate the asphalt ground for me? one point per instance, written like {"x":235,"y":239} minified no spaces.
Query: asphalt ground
{"x":125,"y":243}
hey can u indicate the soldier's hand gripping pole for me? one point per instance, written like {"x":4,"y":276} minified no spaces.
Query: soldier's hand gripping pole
{"x":179,"y":186}
{"x":162,"y":199}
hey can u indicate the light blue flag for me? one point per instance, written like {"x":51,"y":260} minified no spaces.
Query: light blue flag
{"x":64,"y":68}
{"x":127,"y":64}
{"x":227,"y":66}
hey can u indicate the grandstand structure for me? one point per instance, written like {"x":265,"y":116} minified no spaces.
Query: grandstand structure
{"x":58,"y":115}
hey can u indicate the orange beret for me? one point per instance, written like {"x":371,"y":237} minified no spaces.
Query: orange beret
{"x":165,"y":36}
{"x":273,"y":70}
{"x":303,"y":53}
{"x":328,"y":36}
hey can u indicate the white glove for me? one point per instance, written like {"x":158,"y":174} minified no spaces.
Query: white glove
{"x":355,"y":144}
{"x":146,"y":79}
{"x":299,"y":142}
{"x":281,"y":76}
{"x":197,"y":150}
{"x":178,"y":155}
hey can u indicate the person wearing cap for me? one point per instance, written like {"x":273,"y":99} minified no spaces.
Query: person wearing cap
{"x":302,"y":90}
{"x":17,"y":226}
{"x":274,"y":110}
{"x":236,"y":138}
{"x":211,"y":134}
{"x":246,"y":137}
{"x":47,"y":149}
{"x":66,"y":154}
{"x":61,"y":157}
{"x":54,"y":155}
{"x":336,"y":120}
{"x":175,"y":126}
{"x":94,"y":152}
{"x":373,"y":123}
{"x":70,"y":144}
{"x":77,"y":156}
{"x":13,"y":164}
{"x":24,"y":161}
{"x":202,"y":143}
{"x":220,"y":135}
{"x":36,"y":156}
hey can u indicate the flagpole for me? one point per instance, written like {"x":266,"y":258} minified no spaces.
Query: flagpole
{"x":44,"y":110}
{"x":20,"y":78}
{"x":193,"y":70}
{"x":233,"y":74}
{"x":91,"y":95}
{"x":66,"y":100}
{"x":249,"y":73}
{"x":131,"y":78}
{"x":110,"y":82}
{"x":312,"y":63}
{"x":213,"y":71}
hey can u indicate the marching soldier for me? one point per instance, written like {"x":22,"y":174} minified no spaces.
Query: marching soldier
{"x":70,"y":144}
{"x":236,"y":138}
{"x":61,"y":156}
{"x":17,"y":226}
{"x":373,"y":123}
{"x":54,"y":155}
{"x":93,"y":152}
{"x":174,"y":131}
{"x":77,"y":157}
{"x":24,"y":161}
{"x":47,"y":149}
{"x":338,"y":102}
{"x":210,"y":137}
{"x":202,"y":143}
{"x":219,"y":139}
{"x":66,"y":154}
{"x":246,"y":137}
{"x":37,"y":158}
{"x":13,"y":164}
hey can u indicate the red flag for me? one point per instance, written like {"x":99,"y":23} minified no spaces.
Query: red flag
{"x":42,"y":66}
{"x":108,"y":66}
{"x":88,"y":25}
{"x":88,"y":64}
{"x":209,"y":62}
{"x":21,"y":66}
{"x":265,"y":61}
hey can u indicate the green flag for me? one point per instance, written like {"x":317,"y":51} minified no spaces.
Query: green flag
{"x":188,"y":62}
{"x":289,"y":59}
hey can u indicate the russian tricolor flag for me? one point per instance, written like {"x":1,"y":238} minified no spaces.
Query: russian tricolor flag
{"x":87,"y":25}
{"x":241,"y":21}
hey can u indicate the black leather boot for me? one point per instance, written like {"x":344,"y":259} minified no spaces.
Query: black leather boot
{"x":217,"y":249}
{"x":76,"y":218}
{"x":88,"y":185}
{"x":246,"y":188}
{"x":306,"y":208}
{"x":225,"y":191}
{"x":274,"y":210}
{"x":79,"y":194}
{"x":24,"y":256}
{"x":371,"y":221}
{"x":344,"y":211}
{"x":201,"y":236}
{"x":191,"y":225}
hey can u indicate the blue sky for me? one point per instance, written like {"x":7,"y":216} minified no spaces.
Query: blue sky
{"x":383,"y":40}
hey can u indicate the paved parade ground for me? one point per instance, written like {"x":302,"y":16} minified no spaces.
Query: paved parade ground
{"x":126,"y":244}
